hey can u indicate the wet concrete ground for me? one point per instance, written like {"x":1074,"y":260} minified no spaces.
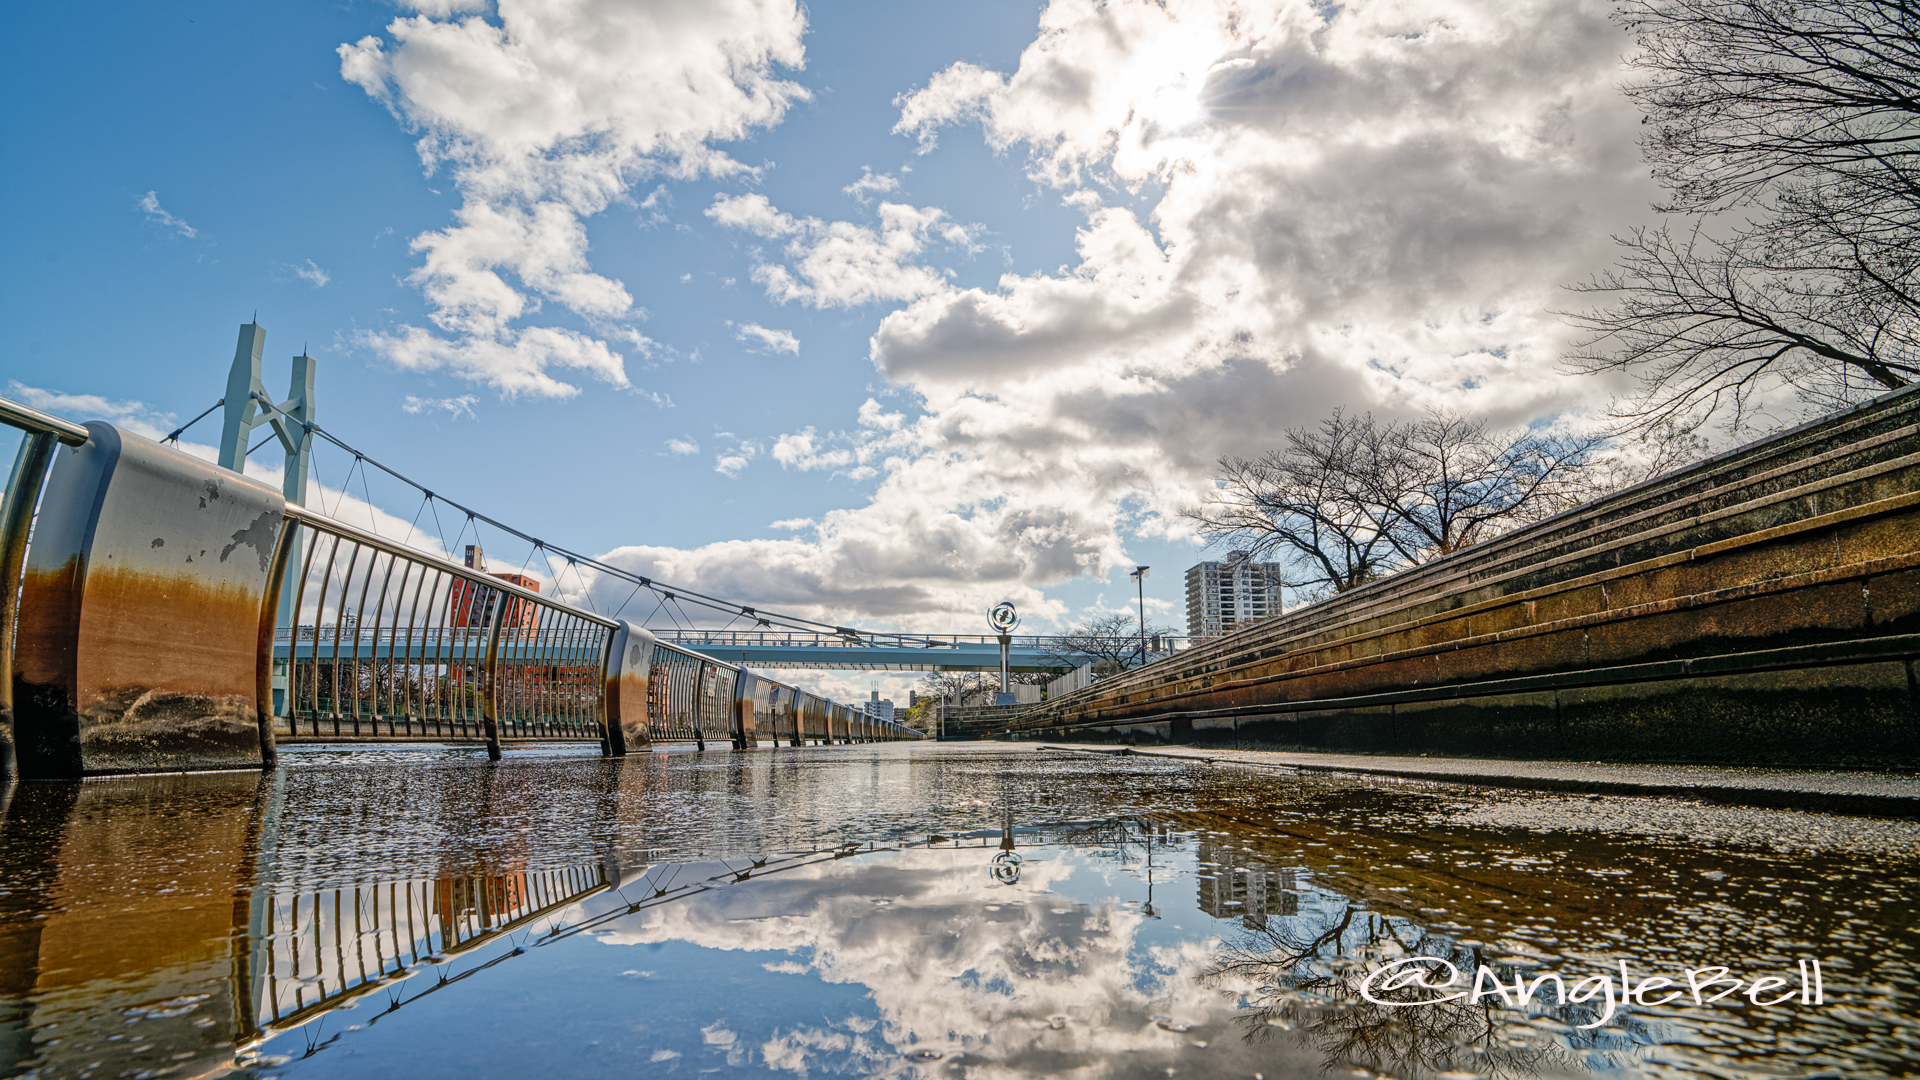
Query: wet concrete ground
{"x":1865,"y":791}
{"x":935,"y":911}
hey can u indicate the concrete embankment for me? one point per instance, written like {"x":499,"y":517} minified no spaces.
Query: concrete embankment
{"x":1762,"y":606}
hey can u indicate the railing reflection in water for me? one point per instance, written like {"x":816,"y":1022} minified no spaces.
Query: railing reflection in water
{"x":320,"y":947}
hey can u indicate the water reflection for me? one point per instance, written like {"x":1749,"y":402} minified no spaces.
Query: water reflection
{"x":1308,"y":980}
{"x":880,"y":915}
{"x":320,"y":946}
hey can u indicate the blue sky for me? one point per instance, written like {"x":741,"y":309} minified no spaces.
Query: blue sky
{"x":1097,"y":247}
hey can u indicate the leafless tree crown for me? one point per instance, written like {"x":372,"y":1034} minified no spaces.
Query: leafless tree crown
{"x":1356,"y":497}
{"x":1789,"y":132}
{"x":1113,"y":641}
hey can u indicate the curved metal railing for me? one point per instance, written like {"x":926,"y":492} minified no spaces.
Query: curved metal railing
{"x":389,"y":640}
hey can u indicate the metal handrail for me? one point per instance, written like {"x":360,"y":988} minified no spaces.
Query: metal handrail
{"x":37,"y":445}
{"x":323,"y":523}
{"x":30,"y":419}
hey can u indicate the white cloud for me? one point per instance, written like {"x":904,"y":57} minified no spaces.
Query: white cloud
{"x":871,"y":184}
{"x":961,"y":92}
{"x":454,"y":407}
{"x":839,"y":263}
{"x":513,"y":362}
{"x":798,"y":450}
{"x":135,"y":416}
{"x":158,"y":216}
{"x":761,"y":339}
{"x":313,"y":275}
{"x":545,"y":117}
{"x":683,"y":447}
{"x":1058,"y":968}
{"x":1371,"y":205}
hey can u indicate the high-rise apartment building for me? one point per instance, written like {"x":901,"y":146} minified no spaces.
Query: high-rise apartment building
{"x":1225,"y":595}
{"x":878,"y":707}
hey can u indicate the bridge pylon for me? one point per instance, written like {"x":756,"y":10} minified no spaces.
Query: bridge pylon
{"x":248,"y":407}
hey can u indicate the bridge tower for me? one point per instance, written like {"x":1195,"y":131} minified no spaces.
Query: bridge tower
{"x":248,"y":406}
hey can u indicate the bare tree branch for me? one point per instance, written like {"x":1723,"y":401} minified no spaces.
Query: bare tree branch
{"x":1357,"y":498}
{"x":1791,"y":132}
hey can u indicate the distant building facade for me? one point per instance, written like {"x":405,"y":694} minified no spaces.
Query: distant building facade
{"x":471,"y":605}
{"x":879,"y":708}
{"x":1232,"y":885}
{"x":1224,"y":595}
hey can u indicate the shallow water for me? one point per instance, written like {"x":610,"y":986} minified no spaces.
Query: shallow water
{"x":929,"y":911}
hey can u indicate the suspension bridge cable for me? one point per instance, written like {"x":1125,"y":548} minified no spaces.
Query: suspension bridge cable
{"x":174,"y":435}
{"x":790,"y":622}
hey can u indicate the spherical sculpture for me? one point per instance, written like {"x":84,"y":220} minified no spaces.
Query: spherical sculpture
{"x":1002,"y":617}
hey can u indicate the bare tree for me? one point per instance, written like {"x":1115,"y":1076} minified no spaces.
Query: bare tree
{"x":1111,"y":641}
{"x":1444,"y":481}
{"x":1309,"y":506}
{"x":1791,"y":133}
{"x":1356,"y":498}
{"x":961,"y":688}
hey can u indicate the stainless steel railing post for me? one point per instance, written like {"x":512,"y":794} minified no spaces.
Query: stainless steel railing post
{"x":490,"y":681}
{"x":269,"y":627}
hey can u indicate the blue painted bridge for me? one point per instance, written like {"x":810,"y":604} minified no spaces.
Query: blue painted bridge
{"x":762,"y":649}
{"x":869,"y":652}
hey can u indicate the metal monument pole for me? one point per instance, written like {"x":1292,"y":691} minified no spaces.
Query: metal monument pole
{"x":1139,"y":576}
{"x":1004,"y":618}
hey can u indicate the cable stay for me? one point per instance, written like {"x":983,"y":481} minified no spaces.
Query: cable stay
{"x":668,"y":593}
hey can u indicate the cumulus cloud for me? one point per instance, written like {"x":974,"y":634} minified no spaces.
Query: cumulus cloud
{"x":454,"y":407}
{"x":150,"y":203}
{"x":513,"y":362}
{"x":683,"y":447}
{"x":1370,"y":205}
{"x":732,"y":460}
{"x":544,"y":116}
{"x":841,"y":263}
{"x":761,"y":339}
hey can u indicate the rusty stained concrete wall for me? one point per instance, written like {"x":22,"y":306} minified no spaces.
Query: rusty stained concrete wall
{"x":1760,"y":607}
{"x":140,"y":613}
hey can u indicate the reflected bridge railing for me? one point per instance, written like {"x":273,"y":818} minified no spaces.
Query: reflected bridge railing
{"x":313,"y":949}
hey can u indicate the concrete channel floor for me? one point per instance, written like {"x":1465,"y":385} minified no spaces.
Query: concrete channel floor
{"x":1870,"y":792}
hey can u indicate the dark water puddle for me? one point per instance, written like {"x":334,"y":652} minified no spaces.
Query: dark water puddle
{"x":933,"y":912}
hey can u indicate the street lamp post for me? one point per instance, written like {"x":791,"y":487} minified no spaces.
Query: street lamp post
{"x":1139,"y":577}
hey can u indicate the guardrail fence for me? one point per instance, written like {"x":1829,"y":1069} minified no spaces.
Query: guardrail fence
{"x":389,"y":641}
{"x":160,"y":613}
